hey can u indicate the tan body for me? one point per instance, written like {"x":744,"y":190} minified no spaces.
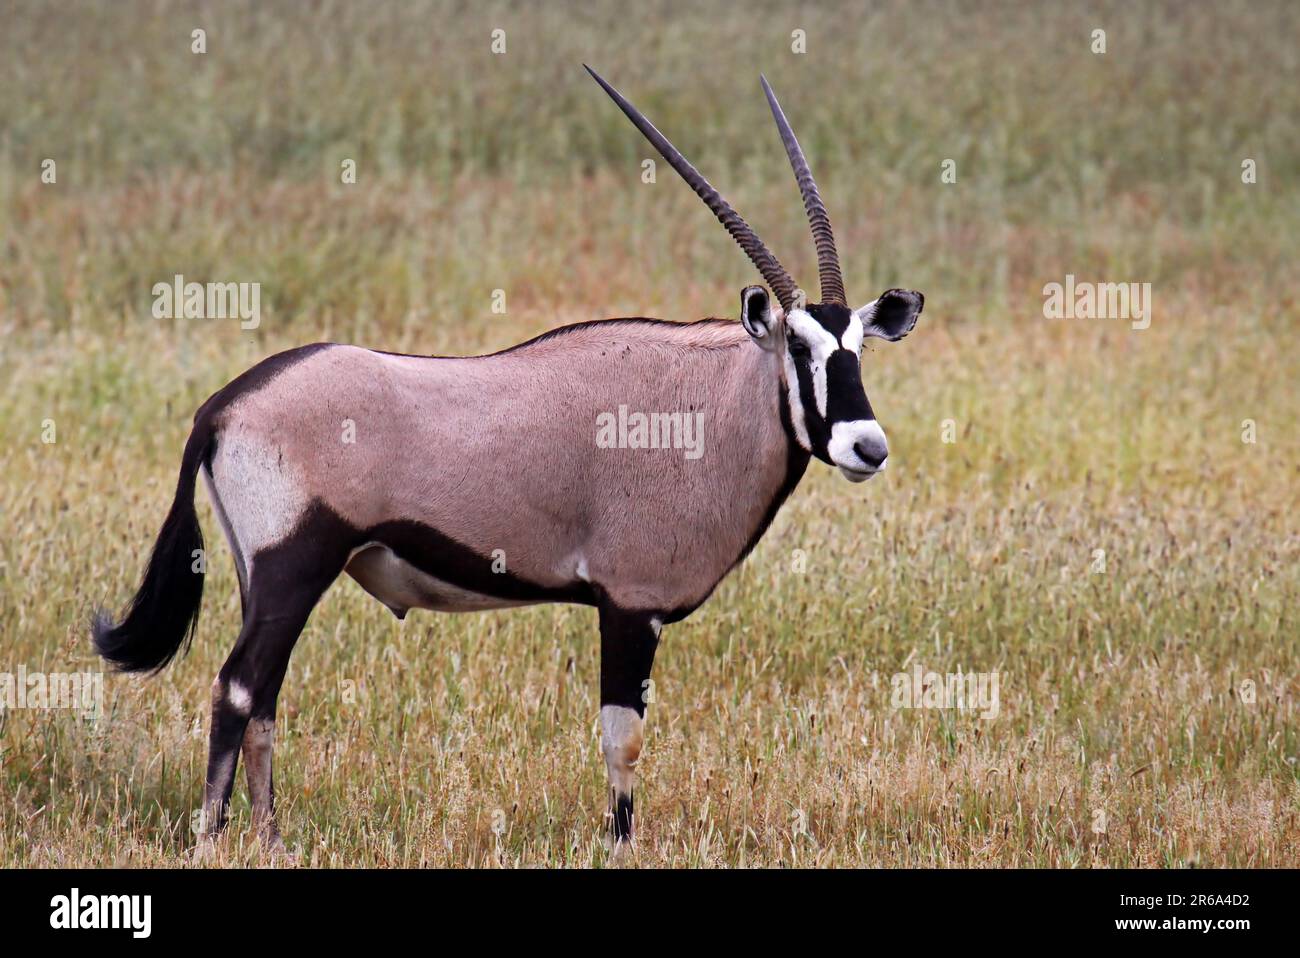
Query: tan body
{"x":500,"y":453}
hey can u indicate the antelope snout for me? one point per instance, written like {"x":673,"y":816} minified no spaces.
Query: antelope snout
{"x":873,"y":456}
{"x":858,"y":448}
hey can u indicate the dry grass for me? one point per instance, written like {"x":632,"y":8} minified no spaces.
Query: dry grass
{"x":772,"y":740}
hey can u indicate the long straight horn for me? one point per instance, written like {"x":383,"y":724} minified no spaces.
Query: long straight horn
{"x":828,"y":261}
{"x":782,"y":285}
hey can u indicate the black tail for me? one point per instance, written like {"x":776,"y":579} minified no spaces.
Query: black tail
{"x":165,"y":611}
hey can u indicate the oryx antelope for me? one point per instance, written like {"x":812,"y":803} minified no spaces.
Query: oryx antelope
{"x":476,"y":483}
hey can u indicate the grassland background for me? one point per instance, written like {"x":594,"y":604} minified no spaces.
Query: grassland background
{"x":1121,"y":691}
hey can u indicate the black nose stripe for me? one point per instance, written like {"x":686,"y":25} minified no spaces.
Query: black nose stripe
{"x":845,"y":397}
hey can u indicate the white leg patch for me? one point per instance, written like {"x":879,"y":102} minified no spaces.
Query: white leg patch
{"x":620,"y":740}
{"x":240,"y":699}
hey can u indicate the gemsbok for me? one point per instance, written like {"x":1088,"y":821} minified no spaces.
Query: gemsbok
{"x":478,"y":482}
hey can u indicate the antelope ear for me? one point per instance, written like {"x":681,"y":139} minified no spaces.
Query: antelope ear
{"x":893,"y":315}
{"x":757,"y":317}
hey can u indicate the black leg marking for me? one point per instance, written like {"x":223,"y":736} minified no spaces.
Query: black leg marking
{"x":285,"y":584}
{"x":622,"y":806}
{"x":627,"y":650}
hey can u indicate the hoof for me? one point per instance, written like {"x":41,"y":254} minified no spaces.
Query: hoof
{"x":622,"y":852}
{"x":273,"y":846}
{"x":205,"y":851}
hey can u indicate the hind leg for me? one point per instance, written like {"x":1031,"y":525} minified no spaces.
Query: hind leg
{"x":259,"y":734}
{"x":243,"y":706}
{"x":284,"y":585}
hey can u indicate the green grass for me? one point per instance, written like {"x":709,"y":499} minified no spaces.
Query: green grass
{"x":772,"y":740}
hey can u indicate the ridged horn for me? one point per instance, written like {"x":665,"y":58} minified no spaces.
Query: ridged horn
{"x":782,"y":285}
{"x":828,"y":260}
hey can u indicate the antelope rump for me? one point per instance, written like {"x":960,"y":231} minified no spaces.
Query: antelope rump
{"x":474,"y":483}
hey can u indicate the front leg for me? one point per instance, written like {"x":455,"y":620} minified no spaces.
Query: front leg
{"x":627,"y":652}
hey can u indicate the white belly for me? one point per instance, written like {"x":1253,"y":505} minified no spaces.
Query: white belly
{"x":401,"y":586}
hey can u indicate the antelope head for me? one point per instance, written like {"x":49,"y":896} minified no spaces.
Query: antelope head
{"x":819,"y":344}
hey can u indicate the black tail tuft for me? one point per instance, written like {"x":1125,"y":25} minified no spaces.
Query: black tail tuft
{"x":165,"y":611}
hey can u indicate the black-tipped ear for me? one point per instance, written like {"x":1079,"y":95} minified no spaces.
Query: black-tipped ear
{"x":756,"y":316}
{"x":893,"y":315}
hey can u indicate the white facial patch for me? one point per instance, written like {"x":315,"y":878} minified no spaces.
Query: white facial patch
{"x":820,"y":344}
{"x":852,"y":338}
{"x":846,"y":437}
{"x":797,"y":419}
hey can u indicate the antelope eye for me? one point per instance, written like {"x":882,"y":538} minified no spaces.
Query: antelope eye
{"x":799,"y":348}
